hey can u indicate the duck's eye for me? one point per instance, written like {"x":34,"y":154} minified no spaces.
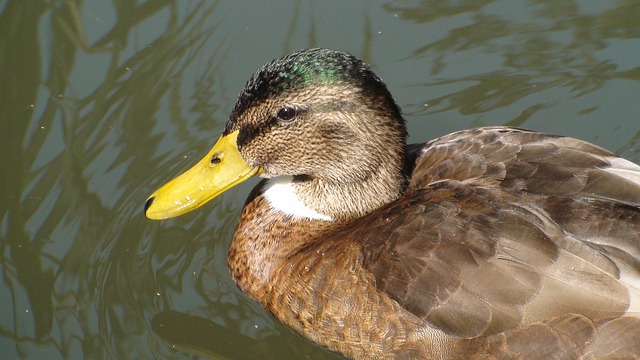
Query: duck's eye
{"x":287,"y":113}
{"x":215,"y":160}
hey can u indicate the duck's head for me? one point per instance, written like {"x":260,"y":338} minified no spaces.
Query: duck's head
{"x":318,"y":116}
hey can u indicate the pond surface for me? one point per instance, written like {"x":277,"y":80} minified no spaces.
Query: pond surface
{"x":103,"y":101}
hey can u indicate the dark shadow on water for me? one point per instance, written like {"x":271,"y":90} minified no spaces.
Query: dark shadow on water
{"x":196,"y":335}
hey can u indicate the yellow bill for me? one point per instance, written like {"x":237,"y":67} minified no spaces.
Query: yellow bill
{"x":221,"y":169}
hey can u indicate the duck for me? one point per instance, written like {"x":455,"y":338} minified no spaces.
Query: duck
{"x":492,"y":242}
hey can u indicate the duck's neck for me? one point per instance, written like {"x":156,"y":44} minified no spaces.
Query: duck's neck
{"x":342,"y":200}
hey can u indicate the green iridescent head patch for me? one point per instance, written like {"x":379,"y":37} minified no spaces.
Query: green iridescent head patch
{"x":300,"y":69}
{"x":312,"y":67}
{"x":308,"y":67}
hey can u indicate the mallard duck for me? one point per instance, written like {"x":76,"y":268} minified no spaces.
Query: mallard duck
{"x":493,"y":242}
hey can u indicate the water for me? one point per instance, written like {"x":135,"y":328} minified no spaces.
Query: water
{"x":102,"y":102}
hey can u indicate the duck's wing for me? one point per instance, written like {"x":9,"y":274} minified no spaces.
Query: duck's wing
{"x":474,"y":255}
{"x":580,"y":185}
{"x":528,"y":161}
{"x":568,"y":336}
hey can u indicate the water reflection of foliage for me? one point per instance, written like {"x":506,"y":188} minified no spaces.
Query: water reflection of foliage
{"x":56,"y":140}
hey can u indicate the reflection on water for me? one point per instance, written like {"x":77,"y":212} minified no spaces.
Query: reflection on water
{"x":560,"y":49}
{"x":102,"y":102}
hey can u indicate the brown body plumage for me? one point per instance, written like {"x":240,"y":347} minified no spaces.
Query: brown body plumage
{"x":486,"y":243}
